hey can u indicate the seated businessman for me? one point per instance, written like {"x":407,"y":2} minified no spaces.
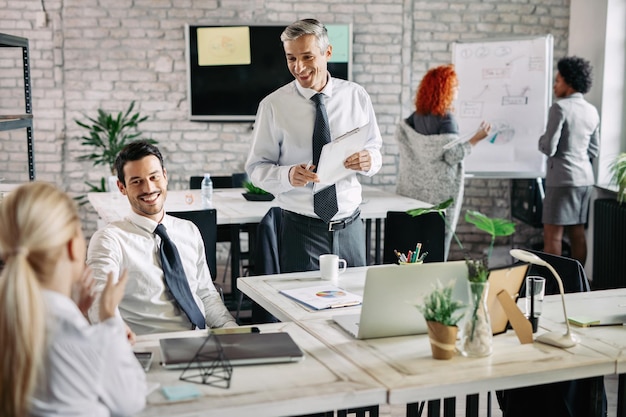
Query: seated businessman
{"x":169,"y":284}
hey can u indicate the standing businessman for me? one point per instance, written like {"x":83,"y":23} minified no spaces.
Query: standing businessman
{"x":292,"y":124}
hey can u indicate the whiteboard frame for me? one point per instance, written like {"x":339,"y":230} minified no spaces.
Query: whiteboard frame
{"x":549,"y":39}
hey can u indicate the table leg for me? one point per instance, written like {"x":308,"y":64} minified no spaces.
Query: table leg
{"x":368,"y":241}
{"x":471,"y":405}
{"x":621,"y":395}
{"x":377,"y":248}
{"x":235,"y":260}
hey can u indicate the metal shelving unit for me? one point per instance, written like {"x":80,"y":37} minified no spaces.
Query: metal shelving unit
{"x":20,"y":121}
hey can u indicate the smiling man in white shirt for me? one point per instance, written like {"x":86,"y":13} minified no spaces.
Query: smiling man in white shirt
{"x":283,"y":143}
{"x":148,"y":305}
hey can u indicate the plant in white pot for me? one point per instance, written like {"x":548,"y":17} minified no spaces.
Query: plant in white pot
{"x":106,"y":135}
{"x":618,"y":169}
{"x":476,"y":334}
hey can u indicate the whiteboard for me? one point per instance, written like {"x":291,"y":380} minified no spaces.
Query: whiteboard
{"x":509,"y":84}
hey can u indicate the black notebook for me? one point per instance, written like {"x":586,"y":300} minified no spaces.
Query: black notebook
{"x":239,"y":349}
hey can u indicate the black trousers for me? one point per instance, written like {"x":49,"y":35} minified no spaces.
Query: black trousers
{"x":304,"y":239}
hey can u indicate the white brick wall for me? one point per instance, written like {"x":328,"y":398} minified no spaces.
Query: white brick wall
{"x":105,"y":53}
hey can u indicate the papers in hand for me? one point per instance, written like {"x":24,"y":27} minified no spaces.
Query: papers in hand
{"x":330,"y":167}
{"x":323,"y":297}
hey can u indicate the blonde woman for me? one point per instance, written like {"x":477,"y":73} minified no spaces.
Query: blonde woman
{"x":53,"y":361}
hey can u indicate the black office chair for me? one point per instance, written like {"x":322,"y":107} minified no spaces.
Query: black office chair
{"x":403,"y":232}
{"x":206,"y":222}
{"x":577,"y":398}
{"x":224,"y":232}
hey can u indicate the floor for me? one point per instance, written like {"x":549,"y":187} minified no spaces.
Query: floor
{"x":385,"y":410}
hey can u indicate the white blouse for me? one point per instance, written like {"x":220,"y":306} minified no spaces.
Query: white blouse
{"x":88,"y":370}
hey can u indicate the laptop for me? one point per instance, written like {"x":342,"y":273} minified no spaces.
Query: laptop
{"x":239,"y":349}
{"x":391,"y":293}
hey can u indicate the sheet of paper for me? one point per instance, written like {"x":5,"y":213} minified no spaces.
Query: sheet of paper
{"x":330,"y":168}
{"x":323,"y":297}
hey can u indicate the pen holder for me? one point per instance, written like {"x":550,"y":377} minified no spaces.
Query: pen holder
{"x":411,"y":263}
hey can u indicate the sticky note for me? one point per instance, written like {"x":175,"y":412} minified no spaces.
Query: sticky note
{"x":582,"y":321}
{"x":180,"y":392}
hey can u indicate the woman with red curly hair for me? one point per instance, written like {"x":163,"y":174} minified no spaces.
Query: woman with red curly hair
{"x":431,"y":154}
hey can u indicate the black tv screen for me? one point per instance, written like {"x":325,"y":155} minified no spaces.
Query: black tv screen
{"x":232,"y":68}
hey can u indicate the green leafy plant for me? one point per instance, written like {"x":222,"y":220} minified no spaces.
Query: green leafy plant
{"x":495,"y":227}
{"x":439,"y":306}
{"x":106,"y":135}
{"x":618,"y":169}
{"x":252,"y":189}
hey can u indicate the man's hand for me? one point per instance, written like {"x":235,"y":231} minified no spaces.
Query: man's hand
{"x":112,"y":295}
{"x":301,"y":175}
{"x":359,"y":161}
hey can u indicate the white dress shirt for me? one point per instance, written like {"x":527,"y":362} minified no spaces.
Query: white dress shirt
{"x":148,"y":306}
{"x":88,"y":370}
{"x":283,"y":134}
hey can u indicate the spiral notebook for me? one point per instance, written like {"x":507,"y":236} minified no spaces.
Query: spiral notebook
{"x":239,"y":349}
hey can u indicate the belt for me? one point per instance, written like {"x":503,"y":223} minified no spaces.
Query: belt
{"x":343,"y":223}
{"x":332,"y":226}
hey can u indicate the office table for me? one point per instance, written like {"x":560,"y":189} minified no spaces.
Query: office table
{"x":404,"y":365}
{"x":611,"y":340}
{"x":233,"y":209}
{"x":324,"y":380}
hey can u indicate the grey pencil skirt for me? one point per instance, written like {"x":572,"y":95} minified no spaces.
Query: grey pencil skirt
{"x":566,"y":206}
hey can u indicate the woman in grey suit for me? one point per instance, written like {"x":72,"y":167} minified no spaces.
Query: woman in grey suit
{"x":571,"y":140}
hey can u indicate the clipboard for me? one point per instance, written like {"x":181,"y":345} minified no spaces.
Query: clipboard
{"x":330,"y":167}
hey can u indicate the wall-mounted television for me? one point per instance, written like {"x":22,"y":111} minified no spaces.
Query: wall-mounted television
{"x":230,"y":69}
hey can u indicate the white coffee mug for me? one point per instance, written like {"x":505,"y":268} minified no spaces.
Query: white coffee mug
{"x":329,"y":266}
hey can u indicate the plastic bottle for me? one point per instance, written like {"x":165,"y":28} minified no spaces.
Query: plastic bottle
{"x":207,"y":191}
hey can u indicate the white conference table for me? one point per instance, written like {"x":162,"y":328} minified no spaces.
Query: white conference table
{"x":323,"y":381}
{"x":233,"y":209}
{"x":404,"y":365}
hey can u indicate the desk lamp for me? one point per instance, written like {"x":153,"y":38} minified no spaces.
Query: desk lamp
{"x":551,"y":338}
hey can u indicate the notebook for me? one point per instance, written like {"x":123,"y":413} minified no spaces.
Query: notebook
{"x":510,"y":279}
{"x":239,"y":349}
{"x":391,"y":293}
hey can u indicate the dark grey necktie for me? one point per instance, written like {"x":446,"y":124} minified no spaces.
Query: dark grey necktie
{"x":325,"y":201}
{"x":176,"y":279}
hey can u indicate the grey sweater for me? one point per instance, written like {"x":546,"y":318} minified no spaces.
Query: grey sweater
{"x":429,"y":173}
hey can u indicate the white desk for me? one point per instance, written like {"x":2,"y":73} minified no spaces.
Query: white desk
{"x":323,"y":381}
{"x":404,"y":365}
{"x":611,"y":340}
{"x":232,"y":208}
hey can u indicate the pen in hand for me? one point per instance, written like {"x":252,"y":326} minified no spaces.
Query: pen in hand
{"x":309,"y":165}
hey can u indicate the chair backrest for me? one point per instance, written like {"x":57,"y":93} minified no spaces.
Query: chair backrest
{"x":235,"y":180}
{"x":206,"y":221}
{"x":267,"y":248}
{"x":570,"y":270}
{"x":403,"y":232}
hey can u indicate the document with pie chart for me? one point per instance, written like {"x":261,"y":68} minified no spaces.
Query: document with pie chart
{"x":323,"y":297}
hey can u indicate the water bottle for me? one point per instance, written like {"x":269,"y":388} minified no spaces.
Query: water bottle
{"x":207,"y":191}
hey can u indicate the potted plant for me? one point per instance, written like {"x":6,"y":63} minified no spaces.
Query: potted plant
{"x":107,"y":134}
{"x":476,"y":336}
{"x":254,"y":193}
{"x":618,"y":169}
{"x":442,"y":313}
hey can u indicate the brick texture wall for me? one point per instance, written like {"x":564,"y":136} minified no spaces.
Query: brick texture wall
{"x":92,"y":54}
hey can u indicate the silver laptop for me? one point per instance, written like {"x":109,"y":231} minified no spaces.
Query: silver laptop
{"x":391,"y":293}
